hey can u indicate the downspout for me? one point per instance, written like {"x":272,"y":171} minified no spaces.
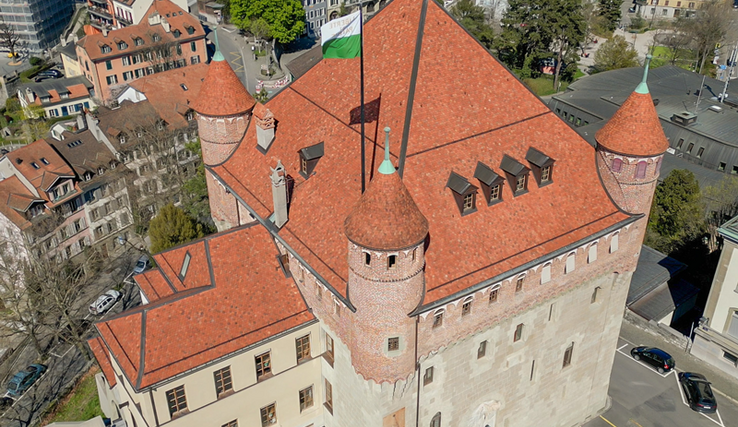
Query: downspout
{"x":417,"y":373}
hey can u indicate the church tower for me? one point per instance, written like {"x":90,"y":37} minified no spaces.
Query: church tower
{"x":386,"y":233}
{"x":224,"y":109}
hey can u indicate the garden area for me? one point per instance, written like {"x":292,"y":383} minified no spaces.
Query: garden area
{"x":80,"y":404}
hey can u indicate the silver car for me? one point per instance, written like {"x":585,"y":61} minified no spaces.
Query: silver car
{"x":104,"y":302}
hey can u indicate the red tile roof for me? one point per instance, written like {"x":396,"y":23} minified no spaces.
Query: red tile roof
{"x":15,"y":199}
{"x":167,"y":95}
{"x":246,"y":296}
{"x":635,"y":129}
{"x":222,"y":93}
{"x":42,"y":175}
{"x":386,"y":217}
{"x":103,"y":359}
{"x":453,"y":126}
{"x":178,"y":20}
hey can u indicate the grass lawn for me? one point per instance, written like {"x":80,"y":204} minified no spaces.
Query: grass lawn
{"x":543,"y":85}
{"x":81,"y":404}
{"x":662,"y":56}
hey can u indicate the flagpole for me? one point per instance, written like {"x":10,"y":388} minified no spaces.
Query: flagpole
{"x":363,"y":146}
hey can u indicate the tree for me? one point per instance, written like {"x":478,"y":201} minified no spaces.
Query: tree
{"x":259,"y":28}
{"x":610,"y":11}
{"x":195,"y":199}
{"x":8,"y":37}
{"x":721,"y":204}
{"x":172,"y":227}
{"x":286,"y":18}
{"x":472,"y":17}
{"x":569,"y":32}
{"x":708,"y":28}
{"x":677,"y":212}
{"x":615,"y":53}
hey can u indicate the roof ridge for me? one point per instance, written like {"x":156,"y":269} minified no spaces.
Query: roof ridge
{"x":142,"y":356}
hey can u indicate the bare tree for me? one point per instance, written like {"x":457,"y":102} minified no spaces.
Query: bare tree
{"x":708,"y":28}
{"x":721,"y":204}
{"x":8,"y":37}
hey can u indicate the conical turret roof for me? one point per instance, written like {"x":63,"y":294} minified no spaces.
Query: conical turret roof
{"x":635,"y":129}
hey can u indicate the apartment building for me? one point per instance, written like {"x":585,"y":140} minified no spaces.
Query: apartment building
{"x":58,"y":97}
{"x":106,"y":15}
{"x":470,"y":258}
{"x":167,"y":38}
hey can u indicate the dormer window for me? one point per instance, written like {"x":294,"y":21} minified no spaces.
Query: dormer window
{"x":190,"y":29}
{"x":122,"y":45}
{"x":155,"y":37}
{"x":190,"y":116}
{"x":122,"y":139}
{"x":490,"y":182}
{"x":177,"y":33}
{"x":138,"y":41}
{"x":309,"y":157}
{"x":517,"y":175}
{"x":464,"y":193}
{"x":542,"y":166}
{"x":105,"y":49}
{"x":87,"y":176}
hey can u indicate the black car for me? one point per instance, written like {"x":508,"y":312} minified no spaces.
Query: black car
{"x":660,"y":359}
{"x":54,"y":74}
{"x":698,"y":392}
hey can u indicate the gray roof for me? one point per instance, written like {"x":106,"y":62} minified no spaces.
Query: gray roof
{"x":70,"y":50}
{"x":653,"y":270}
{"x":485,"y":174}
{"x":42,"y":89}
{"x":664,"y":300}
{"x":458,"y":183}
{"x":303,"y":63}
{"x":729,"y":230}
{"x":511,"y":166}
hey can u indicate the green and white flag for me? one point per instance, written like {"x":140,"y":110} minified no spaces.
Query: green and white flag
{"x":341,"y":37}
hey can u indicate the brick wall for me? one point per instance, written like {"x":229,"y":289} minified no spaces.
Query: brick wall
{"x":223,"y":206}
{"x":631,"y":194}
{"x":220,"y":136}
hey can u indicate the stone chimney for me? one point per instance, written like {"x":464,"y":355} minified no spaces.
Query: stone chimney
{"x":154,"y":18}
{"x":264,"y":127}
{"x":105,"y":32}
{"x":279,"y":194}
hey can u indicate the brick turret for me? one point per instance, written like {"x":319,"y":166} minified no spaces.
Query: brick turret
{"x":630,"y":148}
{"x":386,"y":233}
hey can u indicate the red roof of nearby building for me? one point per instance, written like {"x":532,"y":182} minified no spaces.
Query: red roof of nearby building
{"x":103,"y":359}
{"x":454,"y":124}
{"x":635,"y":128}
{"x":29,"y":161}
{"x":222,"y":93}
{"x":386,"y":217}
{"x":174,"y":332}
{"x":15,"y":199}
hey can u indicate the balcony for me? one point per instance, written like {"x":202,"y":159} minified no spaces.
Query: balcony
{"x":101,"y":24}
{"x":98,"y":3}
{"x":123,"y":20}
{"x":99,"y":11}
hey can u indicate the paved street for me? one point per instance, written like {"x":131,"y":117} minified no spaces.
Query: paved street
{"x":641,"y":397}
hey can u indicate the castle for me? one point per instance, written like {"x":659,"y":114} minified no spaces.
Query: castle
{"x":479,"y":280}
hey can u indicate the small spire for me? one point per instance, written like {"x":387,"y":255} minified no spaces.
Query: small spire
{"x":217,"y":56}
{"x":643,"y":86}
{"x":386,"y":168}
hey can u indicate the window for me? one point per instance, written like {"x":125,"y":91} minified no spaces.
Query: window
{"x":614,"y":242}
{"x":595,"y":295}
{"x":309,"y":157}
{"x":592,"y":256}
{"x":519,"y":283}
{"x":329,"y":347}
{"x":108,"y":65}
{"x":329,"y":396}
{"x":438,"y":319}
{"x":179,"y":49}
{"x":223,"y":381}
{"x":128,"y":75}
{"x":367,"y":259}
{"x":546,"y":273}
{"x":112,"y":79}
{"x":35,"y":165}
{"x":302,"y":346}
{"x":393,"y":344}
{"x":722,"y":166}
{"x":520,"y":183}
{"x":122,"y":45}
{"x":263,"y":365}
{"x":680,"y":143}
{"x":138,"y":41}
{"x":105,"y":49}
{"x":126,"y":61}
{"x":518,"y":333}
{"x":641,"y":170}
{"x":195,"y":59}
{"x":466,"y":306}
{"x":546,"y":174}
{"x":617,"y":164}
{"x":193,"y":46}
{"x":491,"y":183}
{"x":468,"y":202}
{"x":494,"y":193}
{"x":269,"y":415}
{"x":176,"y":400}
{"x":428,"y":376}
{"x":392,"y":261}
{"x":690,"y":147}
{"x":732,"y":358}
{"x":532,"y":369}
{"x":735,"y":170}
{"x":551,"y":311}
{"x":482,"y":349}
{"x":155,"y":37}
{"x":306,"y":398}
{"x":436,"y":420}
{"x":233,"y":423}
{"x":541,"y":165}
{"x":700,"y":151}
{"x":464,"y":193}
{"x":567,"y":355}
{"x":493,"y":295}
{"x":571,"y":261}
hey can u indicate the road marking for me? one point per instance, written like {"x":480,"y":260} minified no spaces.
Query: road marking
{"x":681,"y":392}
{"x":645,"y":365}
{"x":606,"y":420}
{"x":634,"y":422}
{"x":684,"y":401}
{"x":622,"y":347}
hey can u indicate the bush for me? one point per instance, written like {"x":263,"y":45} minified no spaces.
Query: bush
{"x":35,"y":61}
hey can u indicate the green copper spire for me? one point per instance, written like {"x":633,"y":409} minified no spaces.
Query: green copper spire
{"x":217,"y":56}
{"x":642,"y":86}
{"x":386,"y":167}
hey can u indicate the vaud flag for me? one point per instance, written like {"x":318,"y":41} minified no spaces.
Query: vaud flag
{"x":341,"y":37}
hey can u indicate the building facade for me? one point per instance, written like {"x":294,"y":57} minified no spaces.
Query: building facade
{"x":461,"y":260}
{"x":39,"y":23}
{"x":58,"y":97}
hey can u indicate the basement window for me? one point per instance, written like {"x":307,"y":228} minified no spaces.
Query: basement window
{"x":490,"y":182}
{"x":309,"y":157}
{"x":464,"y":193}
{"x":517,"y":175}
{"x":542,"y":166}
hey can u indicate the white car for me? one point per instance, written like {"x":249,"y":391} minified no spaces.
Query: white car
{"x":104,"y":302}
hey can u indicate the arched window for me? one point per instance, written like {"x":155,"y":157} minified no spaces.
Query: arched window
{"x":436,"y":421}
{"x":617,"y":164}
{"x":641,"y":169}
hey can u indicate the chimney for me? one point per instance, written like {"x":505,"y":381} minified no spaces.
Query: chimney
{"x":105,"y":32}
{"x":63,"y":41}
{"x":264,"y":127}
{"x":165,"y":24}
{"x":154,"y":19}
{"x":279,"y":194}
{"x":81,"y":122}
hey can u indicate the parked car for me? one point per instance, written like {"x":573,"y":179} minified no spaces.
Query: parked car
{"x":698,"y":392}
{"x":54,"y":74}
{"x":142,"y":264}
{"x":661,"y":360}
{"x":104,"y":302}
{"x":25,"y":379}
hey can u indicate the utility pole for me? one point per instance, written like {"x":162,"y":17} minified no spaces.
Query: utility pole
{"x":699,"y":95}
{"x":731,"y":64}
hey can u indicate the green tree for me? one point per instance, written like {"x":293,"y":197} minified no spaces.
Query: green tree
{"x":677,"y":212}
{"x":708,"y":27}
{"x":472,"y":17}
{"x":569,"y":31}
{"x":172,"y":227}
{"x":721,"y":204}
{"x":615,"y":53}
{"x":286,"y":18}
{"x":610,"y":11}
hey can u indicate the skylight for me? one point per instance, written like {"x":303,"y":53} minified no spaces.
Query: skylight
{"x":44,"y":161}
{"x":183,"y":86}
{"x":35,"y":165}
{"x":185,"y":266}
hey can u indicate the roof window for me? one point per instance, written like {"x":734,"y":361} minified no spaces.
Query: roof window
{"x":517,"y":175}
{"x":183,"y":86}
{"x":542,"y":166}
{"x":122,"y":45}
{"x":185,"y":266}
{"x":490,"y":182}
{"x":35,"y":165}
{"x":155,"y":37}
{"x":309,"y":157}
{"x":44,"y":161}
{"x":138,"y":41}
{"x":105,"y":49}
{"x":177,"y":33}
{"x":465,"y":194}
{"x":74,"y":143}
{"x":190,"y":29}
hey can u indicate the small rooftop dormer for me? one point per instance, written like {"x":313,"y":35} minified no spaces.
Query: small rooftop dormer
{"x":542,"y":166}
{"x":517,"y":175}
{"x":490,"y":182}
{"x":465,"y":194}
{"x":685,"y":118}
{"x":309,"y":157}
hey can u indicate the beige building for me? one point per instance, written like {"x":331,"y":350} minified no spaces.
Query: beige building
{"x":716,"y":338}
